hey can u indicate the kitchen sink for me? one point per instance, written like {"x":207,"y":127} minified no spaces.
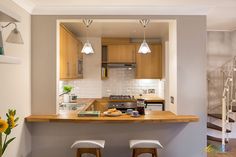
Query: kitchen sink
{"x":72,"y":106}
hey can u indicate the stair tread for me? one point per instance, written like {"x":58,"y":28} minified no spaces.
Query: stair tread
{"x":219,"y":116}
{"x":234,"y":108}
{"x":216,"y":127}
{"x":216,"y":139}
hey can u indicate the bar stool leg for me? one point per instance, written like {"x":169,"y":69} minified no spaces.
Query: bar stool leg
{"x":78,"y":153}
{"x":133,"y":153}
{"x":98,"y":153}
{"x":156,"y":154}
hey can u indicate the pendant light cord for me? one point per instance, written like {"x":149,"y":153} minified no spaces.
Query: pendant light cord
{"x":87,"y":23}
{"x":144,"y":22}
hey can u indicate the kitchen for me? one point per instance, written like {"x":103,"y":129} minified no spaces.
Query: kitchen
{"x":115,"y":69}
{"x":51,"y":124}
{"x":35,"y":83}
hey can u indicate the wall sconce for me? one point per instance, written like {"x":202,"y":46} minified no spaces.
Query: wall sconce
{"x":14,"y":37}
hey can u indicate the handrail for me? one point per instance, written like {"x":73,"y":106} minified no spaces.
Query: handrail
{"x":227,"y":73}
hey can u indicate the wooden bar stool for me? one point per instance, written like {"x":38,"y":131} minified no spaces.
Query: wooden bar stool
{"x":89,"y":147}
{"x":145,"y":146}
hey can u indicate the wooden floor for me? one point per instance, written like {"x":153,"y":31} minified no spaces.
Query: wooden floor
{"x":231,"y":153}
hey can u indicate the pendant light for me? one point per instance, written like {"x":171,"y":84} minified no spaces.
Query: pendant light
{"x":144,"y":48}
{"x":87,"y":48}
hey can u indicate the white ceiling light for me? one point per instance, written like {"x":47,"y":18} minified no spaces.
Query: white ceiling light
{"x":144,"y":48}
{"x":87,"y":48}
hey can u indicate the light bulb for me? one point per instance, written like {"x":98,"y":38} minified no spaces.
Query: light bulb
{"x":87,"y":48}
{"x":144,"y":48}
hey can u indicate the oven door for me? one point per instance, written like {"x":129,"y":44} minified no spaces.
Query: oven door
{"x":154,"y":107}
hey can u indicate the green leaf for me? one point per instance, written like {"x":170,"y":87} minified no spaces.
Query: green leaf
{"x":16,"y":119}
{"x":67,"y":89}
{"x":8,"y":131}
{"x":6,"y":144}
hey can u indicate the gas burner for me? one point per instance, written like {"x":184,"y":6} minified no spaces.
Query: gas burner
{"x":120,"y":97}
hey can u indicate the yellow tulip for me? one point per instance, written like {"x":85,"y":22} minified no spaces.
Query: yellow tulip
{"x":3,"y":126}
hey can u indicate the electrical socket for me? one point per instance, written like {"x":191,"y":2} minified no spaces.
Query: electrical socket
{"x":151,"y":91}
{"x":172,"y":99}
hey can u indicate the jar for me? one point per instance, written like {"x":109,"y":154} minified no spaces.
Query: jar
{"x":141,"y":106}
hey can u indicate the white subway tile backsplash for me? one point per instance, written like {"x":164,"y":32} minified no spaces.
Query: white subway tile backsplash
{"x":122,"y":81}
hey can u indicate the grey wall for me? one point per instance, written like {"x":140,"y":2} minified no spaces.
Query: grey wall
{"x":220,"y":48}
{"x":15,"y":81}
{"x":179,"y":140}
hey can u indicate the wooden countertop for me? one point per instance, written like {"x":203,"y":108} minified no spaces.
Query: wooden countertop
{"x":151,"y":117}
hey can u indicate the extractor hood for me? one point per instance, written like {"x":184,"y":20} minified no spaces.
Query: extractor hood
{"x":121,"y":65}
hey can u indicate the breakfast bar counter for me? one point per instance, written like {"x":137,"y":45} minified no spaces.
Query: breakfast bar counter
{"x":90,"y":104}
{"x":150,"y":117}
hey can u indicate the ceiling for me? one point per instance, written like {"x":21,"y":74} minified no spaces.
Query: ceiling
{"x":221,"y":14}
{"x":119,"y":28}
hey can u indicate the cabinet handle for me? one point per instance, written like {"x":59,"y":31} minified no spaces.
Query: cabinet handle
{"x":68,"y":72}
{"x":74,"y":70}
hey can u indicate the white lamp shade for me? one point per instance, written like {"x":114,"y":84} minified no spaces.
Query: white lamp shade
{"x":87,"y":48}
{"x":144,"y":48}
{"x":15,"y":37}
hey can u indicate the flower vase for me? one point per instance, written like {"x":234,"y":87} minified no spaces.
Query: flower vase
{"x":66,"y":98}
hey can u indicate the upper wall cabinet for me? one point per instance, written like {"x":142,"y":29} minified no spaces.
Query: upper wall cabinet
{"x":149,"y":66}
{"x":71,"y":59}
{"x":124,"y":53}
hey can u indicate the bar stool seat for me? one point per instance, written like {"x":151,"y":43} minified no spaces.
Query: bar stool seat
{"x":145,"y":146}
{"x":89,"y":147}
{"x":88,"y":144}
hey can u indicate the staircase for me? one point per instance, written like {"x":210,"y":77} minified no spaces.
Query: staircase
{"x":222,"y":102}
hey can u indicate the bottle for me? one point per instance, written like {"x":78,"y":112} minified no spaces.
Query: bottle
{"x":141,"y":106}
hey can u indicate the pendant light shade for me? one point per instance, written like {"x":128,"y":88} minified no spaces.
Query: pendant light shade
{"x":87,"y":48}
{"x":15,"y":37}
{"x":144,"y":48}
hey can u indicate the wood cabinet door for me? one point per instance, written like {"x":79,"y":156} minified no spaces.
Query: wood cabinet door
{"x":121,"y":53}
{"x":64,"y":64}
{"x":70,"y":51}
{"x":73,"y":57}
{"x":149,"y":66}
